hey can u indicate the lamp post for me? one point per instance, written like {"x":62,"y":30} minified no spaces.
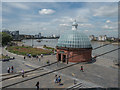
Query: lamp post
{"x":32,"y":40}
{"x":32,"y":43}
{"x":68,"y":55}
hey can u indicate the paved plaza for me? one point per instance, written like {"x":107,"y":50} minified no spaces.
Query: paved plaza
{"x":96,"y":74}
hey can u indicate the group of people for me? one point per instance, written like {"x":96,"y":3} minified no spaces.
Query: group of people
{"x":10,"y":70}
{"x":57,"y":79}
{"x":37,"y":57}
{"x":41,"y":55}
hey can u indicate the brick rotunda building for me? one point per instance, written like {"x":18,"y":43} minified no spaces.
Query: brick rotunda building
{"x":74,"y":46}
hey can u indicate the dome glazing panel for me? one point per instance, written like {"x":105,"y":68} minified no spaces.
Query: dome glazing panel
{"x":74,"y":39}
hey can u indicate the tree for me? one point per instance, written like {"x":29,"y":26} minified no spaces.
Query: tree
{"x":6,"y":38}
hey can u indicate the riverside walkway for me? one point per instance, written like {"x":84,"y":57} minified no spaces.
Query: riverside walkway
{"x":94,"y":75}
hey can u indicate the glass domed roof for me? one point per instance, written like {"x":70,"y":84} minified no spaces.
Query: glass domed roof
{"x":74,"y":39}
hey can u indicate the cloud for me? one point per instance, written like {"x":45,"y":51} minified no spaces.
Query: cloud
{"x":64,"y":24}
{"x":18,"y":5}
{"x":63,"y":21}
{"x":106,"y":11}
{"x":39,"y":16}
{"x":82,"y":19}
{"x":46,"y":11}
{"x":86,"y":30}
{"x":108,"y":27}
{"x":85,"y":25}
{"x":108,"y":21}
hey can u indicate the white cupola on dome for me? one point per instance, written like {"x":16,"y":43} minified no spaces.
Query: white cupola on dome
{"x":74,"y":25}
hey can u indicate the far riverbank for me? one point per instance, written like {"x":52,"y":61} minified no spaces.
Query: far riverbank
{"x":106,"y":42}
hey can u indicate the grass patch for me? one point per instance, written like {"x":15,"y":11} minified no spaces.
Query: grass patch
{"x":46,"y":47}
{"x":24,"y":50}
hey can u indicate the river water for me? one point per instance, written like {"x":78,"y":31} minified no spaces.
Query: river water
{"x":53,"y":43}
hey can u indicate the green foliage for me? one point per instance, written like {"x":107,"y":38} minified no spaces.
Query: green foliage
{"x":110,"y":40}
{"x":6,"y":38}
{"x":34,"y":55}
{"x":24,"y":50}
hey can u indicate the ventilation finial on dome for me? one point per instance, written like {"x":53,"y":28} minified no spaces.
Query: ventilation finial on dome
{"x":74,"y":25}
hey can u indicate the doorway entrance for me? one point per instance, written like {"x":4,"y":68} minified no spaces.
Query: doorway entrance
{"x":59,"y":57}
{"x":64,"y":58}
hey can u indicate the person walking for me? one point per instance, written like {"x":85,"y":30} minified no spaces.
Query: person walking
{"x":48,"y":62}
{"x":37,"y":85}
{"x":56,"y":79}
{"x":82,"y":69}
{"x":59,"y":80}
{"x":8,"y":69}
{"x":12,"y":69}
{"x":41,"y":55}
{"x":75,"y":82}
{"x":13,"y":57}
{"x":24,"y":57}
{"x":22,"y":73}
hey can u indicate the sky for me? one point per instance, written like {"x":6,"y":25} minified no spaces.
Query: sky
{"x":93,"y":18}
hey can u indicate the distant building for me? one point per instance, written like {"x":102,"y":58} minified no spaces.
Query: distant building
{"x":15,"y":35}
{"x":112,"y":38}
{"x":91,"y":37}
{"x":95,"y":38}
{"x":53,"y":36}
{"x":21,"y":36}
{"x":102,"y":38}
{"x":28,"y":36}
{"x":38,"y":35}
{"x":105,"y":37}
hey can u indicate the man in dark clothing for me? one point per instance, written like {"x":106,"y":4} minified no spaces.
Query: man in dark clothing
{"x":37,"y":85}
{"x":56,"y":79}
{"x":13,"y":57}
{"x":12,"y":69}
{"x":24,"y":57}
{"x":8,"y":69}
